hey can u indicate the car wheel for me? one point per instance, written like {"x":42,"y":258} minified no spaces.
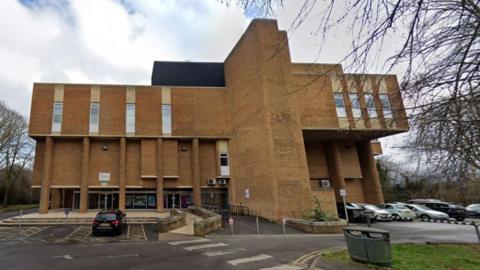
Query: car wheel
{"x":424,"y":216}
{"x":460,"y":218}
{"x":395,"y":217}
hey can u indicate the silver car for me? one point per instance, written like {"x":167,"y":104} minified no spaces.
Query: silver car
{"x":380,"y":214}
{"x":422,"y":211}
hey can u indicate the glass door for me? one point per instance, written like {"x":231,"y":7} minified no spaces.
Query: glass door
{"x":173,"y":200}
{"x":108,"y":201}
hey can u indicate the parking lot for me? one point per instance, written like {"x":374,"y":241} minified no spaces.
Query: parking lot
{"x":72,"y":234}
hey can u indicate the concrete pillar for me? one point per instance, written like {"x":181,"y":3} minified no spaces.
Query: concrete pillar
{"x":160,"y":206}
{"x":334,"y":163}
{"x":47,"y":174}
{"x":84,"y":177}
{"x":197,"y":189}
{"x":372,"y":189}
{"x":123,"y":176}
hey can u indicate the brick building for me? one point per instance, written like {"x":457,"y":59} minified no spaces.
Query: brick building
{"x":256,"y":130}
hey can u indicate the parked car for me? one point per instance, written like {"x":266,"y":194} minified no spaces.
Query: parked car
{"x":109,"y":221}
{"x":424,"y":212}
{"x":379,"y":214}
{"x":455,"y":211}
{"x":473,"y":210}
{"x":398,"y":211}
{"x":355,"y":212}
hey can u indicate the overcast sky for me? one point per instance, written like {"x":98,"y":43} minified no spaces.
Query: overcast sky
{"x":116,"y":41}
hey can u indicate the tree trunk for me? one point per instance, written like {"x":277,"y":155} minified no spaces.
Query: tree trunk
{"x":5,"y":196}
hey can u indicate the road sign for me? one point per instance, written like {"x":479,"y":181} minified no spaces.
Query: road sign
{"x":343,"y":192}
{"x":230,"y":221}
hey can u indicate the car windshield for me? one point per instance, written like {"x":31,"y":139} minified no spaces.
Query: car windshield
{"x":474,"y":207}
{"x":423,"y":207}
{"x":371,"y":207}
{"x":399,"y":206}
{"x":106,"y":217}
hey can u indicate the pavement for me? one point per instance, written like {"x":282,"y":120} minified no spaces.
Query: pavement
{"x":73,"y":247}
{"x":248,"y":225}
{"x":5,"y":215}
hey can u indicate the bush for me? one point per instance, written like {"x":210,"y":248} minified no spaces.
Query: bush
{"x":317,"y":214}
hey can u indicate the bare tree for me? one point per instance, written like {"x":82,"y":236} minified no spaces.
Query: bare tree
{"x":436,"y":42}
{"x":16,"y":149}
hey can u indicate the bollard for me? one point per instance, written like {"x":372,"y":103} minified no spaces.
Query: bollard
{"x":368,"y":221}
{"x":21,"y":213}
{"x":283,"y":224}
{"x":258,"y":227}
{"x":231,"y":228}
{"x":476,"y":229}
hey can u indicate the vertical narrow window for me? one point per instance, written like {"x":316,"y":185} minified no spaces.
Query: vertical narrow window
{"x":340,"y":105}
{"x":371,"y":109}
{"x":130,"y":125}
{"x":357,"y":112}
{"x":57,"y":116}
{"x":224,"y":168}
{"x":387,"y":109}
{"x":94,"y":116}
{"x":166,"y":119}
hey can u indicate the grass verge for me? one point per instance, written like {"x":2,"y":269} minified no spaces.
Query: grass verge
{"x":17,"y":207}
{"x":420,"y":256}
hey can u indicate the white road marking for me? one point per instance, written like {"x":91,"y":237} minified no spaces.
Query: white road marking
{"x":189,"y":241}
{"x":190,"y":248}
{"x":66,"y":257}
{"x":219,"y":253}
{"x":284,"y":267}
{"x":260,"y":257}
{"x":123,"y":255}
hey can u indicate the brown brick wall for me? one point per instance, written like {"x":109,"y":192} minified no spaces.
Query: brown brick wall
{"x":41,"y":112}
{"x":350,"y":162}
{"x":112,"y":110}
{"x":354,"y":190}
{"x":133,"y":163}
{"x":67,"y":160}
{"x":207,"y":162}
{"x":148,"y":105}
{"x":38,"y":163}
{"x":170,"y":157}
{"x":104,"y":161}
{"x":317,"y":160}
{"x":184,"y":164}
{"x":76,"y":110}
{"x":149,"y":157}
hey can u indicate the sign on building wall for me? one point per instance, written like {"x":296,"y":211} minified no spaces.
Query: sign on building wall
{"x":104,"y":178}
{"x":247,"y":193}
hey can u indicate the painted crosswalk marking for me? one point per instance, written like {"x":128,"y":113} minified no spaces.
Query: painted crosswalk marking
{"x":202,"y":240}
{"x":224,"y":252}
{"x":284,"y":267}
{"x":190,"y":248}
{"x":260,"y":257}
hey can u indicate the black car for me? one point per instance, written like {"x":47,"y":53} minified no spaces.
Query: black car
{"x":473,"y":210}
{"x":109,"y":221}
{"x":356,"y":213}
{"x":455,"y":211}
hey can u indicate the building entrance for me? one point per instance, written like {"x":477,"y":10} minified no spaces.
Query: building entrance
{"x":103,"y":199}
{"x":177,"y":199}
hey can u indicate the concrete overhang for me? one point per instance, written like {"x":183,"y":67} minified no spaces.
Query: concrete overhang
{"x":321,"y":135}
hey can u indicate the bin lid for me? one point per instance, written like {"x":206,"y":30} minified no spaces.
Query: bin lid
{"x":364,"y":229}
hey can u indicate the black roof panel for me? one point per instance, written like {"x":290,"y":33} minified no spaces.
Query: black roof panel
{"x":188,"y":74}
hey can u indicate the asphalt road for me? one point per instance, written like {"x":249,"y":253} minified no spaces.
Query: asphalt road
{"x":33,"y":250}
